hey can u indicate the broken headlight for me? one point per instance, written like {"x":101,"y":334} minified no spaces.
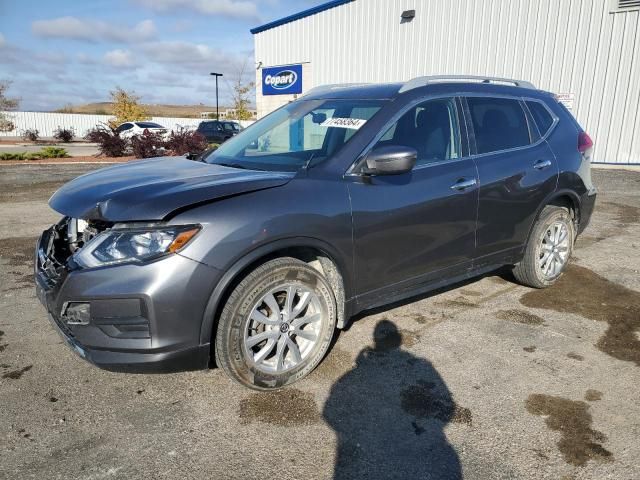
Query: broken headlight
{"x":124,"y":245}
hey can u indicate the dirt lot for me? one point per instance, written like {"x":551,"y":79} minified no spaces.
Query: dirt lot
{"x":489,"y":378}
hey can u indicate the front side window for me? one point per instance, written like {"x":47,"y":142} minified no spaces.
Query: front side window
{"x":431,"y":128}
{"x":498,"y":123}
{"x":297,"y":134}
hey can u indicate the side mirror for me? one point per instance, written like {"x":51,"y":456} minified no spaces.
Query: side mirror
{"x":390,"y":160}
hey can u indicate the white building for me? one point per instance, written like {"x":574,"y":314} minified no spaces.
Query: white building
{"x":587,"y":51}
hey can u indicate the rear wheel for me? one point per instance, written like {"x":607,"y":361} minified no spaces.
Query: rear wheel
{"x":548,"y":250}
{"x":277,"y":325}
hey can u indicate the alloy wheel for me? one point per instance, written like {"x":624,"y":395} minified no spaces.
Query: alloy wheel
{"x":283,"y":328}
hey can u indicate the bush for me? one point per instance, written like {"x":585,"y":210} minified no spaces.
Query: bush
{"x":53,"y":152}
{"x":110,"y":143}
{"x":13,"y":155}
{"x":46,"y":152}
{"x":147,"y":145}
{"x":183,"y":141}
{"x":64,"y":135}
{"x":30,"y":135}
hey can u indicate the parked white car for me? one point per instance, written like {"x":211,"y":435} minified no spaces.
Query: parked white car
{"x":129,"y":129}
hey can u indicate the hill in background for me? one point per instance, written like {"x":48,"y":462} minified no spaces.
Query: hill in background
{"x":106,"y":108}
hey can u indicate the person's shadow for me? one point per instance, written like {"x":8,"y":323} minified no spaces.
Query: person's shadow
{"x":389,"y":413}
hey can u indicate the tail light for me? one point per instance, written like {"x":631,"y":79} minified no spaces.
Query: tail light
{"x":584,"y":142}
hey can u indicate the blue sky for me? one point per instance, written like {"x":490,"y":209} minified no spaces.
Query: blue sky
{"x":60,"y":52}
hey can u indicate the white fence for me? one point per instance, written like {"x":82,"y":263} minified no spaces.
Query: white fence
{"x":47,"y":123}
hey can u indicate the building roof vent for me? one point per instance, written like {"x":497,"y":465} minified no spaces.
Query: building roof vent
{"x":618,"y":6}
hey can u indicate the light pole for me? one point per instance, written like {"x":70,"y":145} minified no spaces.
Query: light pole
{"x":216,"y":75}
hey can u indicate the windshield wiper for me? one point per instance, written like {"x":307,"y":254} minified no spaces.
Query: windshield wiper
{"x":236,"y":165}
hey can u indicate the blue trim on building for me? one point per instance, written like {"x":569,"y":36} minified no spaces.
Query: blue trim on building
{"x":299,"y":15}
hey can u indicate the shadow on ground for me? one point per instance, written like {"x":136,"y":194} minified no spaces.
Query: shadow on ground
{"x":389,"y":413}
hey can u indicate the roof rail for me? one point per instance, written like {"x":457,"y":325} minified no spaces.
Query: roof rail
{"x":330,"y":87}
{"x":422,"y":81}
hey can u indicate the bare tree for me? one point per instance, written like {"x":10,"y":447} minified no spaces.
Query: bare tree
{"x":241,"y":92}
{"x":6,"y":125}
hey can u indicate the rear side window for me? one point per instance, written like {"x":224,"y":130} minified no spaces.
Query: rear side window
{"x":541,"y":116}
{"x":499,"y":124}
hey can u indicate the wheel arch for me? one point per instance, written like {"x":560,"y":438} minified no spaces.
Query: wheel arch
{"x":316,"y":253}
{"x":561,"y":198}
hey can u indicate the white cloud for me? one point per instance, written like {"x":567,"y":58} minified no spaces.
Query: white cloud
{"x":186,"y":54}
{"x":228,"y":8}
{"x":93,"y":30}
{"x":119,"y":58}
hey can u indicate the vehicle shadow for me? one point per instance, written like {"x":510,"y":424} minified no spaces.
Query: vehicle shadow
{"x":389,"y":413}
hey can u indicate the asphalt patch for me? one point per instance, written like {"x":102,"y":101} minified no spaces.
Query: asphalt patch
{"x":520,"y":316}
{"x":21,"y":192}
{"x":16,"y":374}
{"x":583,"y":292}
{"x":458,"y":302}
{"x":625,"y":214}
{"x":579,"y":442}
{"x":424,"y":401}
{"x":288,"y":408}
{"x":18,"y":251}
{"x":593,"y":395}
{"x":335,"y":364}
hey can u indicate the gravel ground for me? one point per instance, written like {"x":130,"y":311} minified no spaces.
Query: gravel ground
{"x":488,"y":378}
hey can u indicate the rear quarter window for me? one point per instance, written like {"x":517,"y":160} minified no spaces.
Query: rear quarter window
{"x":541,"y":116}
{"x":498,"y":123}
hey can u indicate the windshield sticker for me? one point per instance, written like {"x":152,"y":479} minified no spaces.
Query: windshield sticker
{"x":353,"y":123}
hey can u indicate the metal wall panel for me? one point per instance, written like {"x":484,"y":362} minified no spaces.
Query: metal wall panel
{"x":564,"y":46}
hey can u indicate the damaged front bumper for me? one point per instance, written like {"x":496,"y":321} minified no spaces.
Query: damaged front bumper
{"x":134,"y":318}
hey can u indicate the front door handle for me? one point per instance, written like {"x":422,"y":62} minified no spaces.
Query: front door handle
{"x":463,"y":184}
{"x":542,"y":164}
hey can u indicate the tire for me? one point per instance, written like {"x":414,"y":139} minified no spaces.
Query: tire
{"x":533,"y":271}
{"x":278,"y":326}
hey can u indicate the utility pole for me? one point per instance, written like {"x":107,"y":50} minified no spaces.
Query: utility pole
{"x":217,"y":111}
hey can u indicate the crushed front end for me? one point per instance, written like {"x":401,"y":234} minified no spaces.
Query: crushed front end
{"x":136,"y":317}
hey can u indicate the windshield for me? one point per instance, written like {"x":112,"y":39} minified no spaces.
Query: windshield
{"x":295,"y":135}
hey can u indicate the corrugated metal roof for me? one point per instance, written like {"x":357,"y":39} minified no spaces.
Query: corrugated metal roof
{"x":299,"y":15}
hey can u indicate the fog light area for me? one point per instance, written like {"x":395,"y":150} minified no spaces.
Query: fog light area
{"x":76,"y":313}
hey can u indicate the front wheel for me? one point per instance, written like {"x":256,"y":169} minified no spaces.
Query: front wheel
{"x":276,"y":325}
{"x":549,"y":248}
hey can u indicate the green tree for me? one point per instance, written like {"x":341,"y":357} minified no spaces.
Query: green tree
{"x":6,"y":125}
{"x":126,"y":107}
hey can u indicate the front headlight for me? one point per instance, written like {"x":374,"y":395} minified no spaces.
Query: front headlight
{"x":123,"y":245}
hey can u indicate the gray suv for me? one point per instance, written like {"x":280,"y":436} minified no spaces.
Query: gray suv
{"x":346,"y":199}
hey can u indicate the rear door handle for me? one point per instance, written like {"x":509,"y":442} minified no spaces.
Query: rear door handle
{"x":463,"y":184}
{"x":542,"y":164}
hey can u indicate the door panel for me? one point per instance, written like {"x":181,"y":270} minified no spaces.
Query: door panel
{"x":409,"y":227}
{"x":420,"y":225}
{"x":513,"y":182}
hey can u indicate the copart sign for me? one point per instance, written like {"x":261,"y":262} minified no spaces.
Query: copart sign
{"x":285,"y":80}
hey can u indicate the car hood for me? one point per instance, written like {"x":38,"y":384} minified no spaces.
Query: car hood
{"x":153,"y":189}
